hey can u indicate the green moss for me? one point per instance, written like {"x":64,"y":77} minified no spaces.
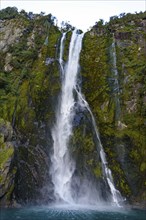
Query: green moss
{"x":90,"y":162}
{"x":1,"y":139}
{"x":143,"y":167}
{"x":66,"y":45}
{"x":95,"y":84}
{"x":125,"y":188}
{"x":53,"y":42}
{"x":88,"y":144}
{"x":97,"y":171}
{"x":5,"y":154}
{"x":10,"y":191}
{"x":1,"y":179}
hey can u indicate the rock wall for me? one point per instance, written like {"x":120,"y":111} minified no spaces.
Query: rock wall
{"x":116,"y":95}
{"x":30,"y":84}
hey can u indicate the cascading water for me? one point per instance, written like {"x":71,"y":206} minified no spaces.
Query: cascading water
{"x":63,"y":166}
{"x":116,"y":196}
{"x":116,"y":89}
{"x":61,"y":53}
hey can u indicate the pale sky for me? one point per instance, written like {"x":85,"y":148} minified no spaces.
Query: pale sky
{"x":80,"y":13}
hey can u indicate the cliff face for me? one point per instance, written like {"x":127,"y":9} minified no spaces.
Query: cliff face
{"x":30,"y":83}
{"x":114,"y":82}
{"x":115,"y":89}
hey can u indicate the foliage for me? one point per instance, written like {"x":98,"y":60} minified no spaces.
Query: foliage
{"x":65,"y":27}
{"x":5,"y":155}
{"x":9,"y":13}
{"x":98,"y":87}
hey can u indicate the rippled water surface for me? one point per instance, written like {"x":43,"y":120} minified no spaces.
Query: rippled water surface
{"x":71,"y":213}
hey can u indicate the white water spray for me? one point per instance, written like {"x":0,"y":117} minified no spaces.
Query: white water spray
{"x":61,"y":53}
{"x":62,"y":165}
{"x":116,"y":196}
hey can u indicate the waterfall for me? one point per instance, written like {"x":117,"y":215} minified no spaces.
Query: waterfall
{"x":61,"y":53}
{"x":62,"y":165}
{"x":116,"y":89}
{"x":116,"y":196}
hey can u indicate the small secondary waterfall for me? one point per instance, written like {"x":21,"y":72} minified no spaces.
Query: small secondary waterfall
{"x":116,"y":89}
{"x":63,"y":166}
{"x":61,"y":53}
{"x":116,"y":196}
{"x":116,"y":82}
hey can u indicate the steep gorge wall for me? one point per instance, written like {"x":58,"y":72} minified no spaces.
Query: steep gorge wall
{"x":30,"y":84}
{"x":29,"y":90}
{"x":120,"y":112}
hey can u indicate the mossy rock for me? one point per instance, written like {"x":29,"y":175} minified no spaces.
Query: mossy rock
{"x":5,"y":155}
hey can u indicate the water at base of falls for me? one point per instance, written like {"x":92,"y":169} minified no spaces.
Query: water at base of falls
{"x":70,"y":213}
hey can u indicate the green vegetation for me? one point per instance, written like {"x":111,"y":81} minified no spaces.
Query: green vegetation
{"x":97,"y":171}
{"x":5,"y":154}
{"x":8,"y":13}
{"x":127,"y":162}
{"x":29,"y":91}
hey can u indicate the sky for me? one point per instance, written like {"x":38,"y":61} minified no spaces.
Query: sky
{"x":79,"y":13}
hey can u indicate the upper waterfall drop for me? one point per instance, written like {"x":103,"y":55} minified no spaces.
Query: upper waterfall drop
{"x":62,"y":165}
